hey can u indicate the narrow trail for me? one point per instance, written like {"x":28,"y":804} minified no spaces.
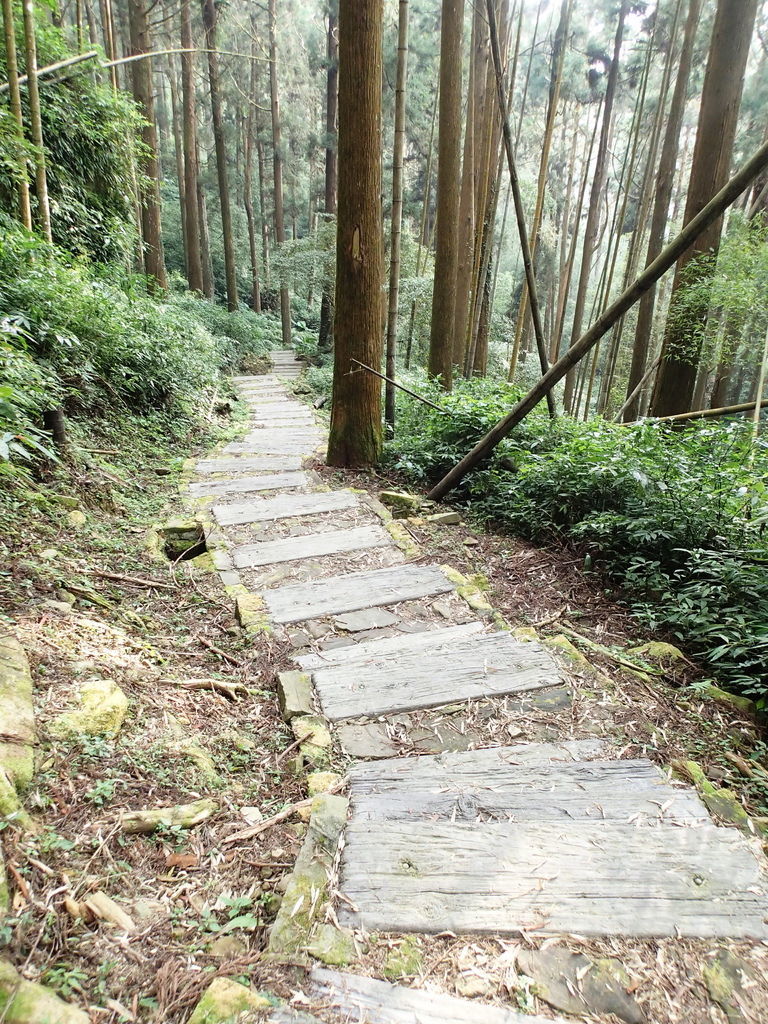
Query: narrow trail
{"x":538,"y":838}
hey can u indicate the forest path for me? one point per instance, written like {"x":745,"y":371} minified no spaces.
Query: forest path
{"x":557,"y":837}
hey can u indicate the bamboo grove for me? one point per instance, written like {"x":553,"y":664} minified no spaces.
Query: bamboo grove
{"x":624,"y":119}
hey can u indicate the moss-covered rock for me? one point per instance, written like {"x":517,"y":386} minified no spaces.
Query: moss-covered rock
{"x":180,"y":816}
{"x":223,"y":1002}
{"x":730,"y":700}
{"x":405,"y":960}
{"x":321,"y":782}
{"x":331,"y":945}
{"x":402,"y":504}
{"x":103,"y":707}
{"x":16,"y":714}
{"x":722,"y":802}
{"x":24,"y":1002}
{"x":726,"y":976}
{"x":250,"y":611}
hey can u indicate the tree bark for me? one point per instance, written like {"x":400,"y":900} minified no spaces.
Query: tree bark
{"x":712,"y":154}
{"x":355,"y":432}
{"x":397,"y":209}
{"x":593,"y":212}
{"x":248,"y":180}
{"x":143,"y":93}
{"x":230,"y":269}
{"x":14,"y":96}
{"x":665,"y":180}
{"x":277,"y":164}
{"x":192,"y":244}
{"x":176,"y":128}
{"x":41,"y":177}
{"x":205,"y":242}
{"x":325,"y":336}
{"x":440,"y":363}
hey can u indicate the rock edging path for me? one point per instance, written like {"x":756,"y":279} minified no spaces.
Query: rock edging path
{"x":544,"y":838}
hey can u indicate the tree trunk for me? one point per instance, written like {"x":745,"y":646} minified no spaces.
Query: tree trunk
{"x":205,"y":242}
{"x":325,"y":336}
{"x":230,"y":270}
{"x":285,"y":302}
{"x":715,"y":133}
{"x":14,"y":96}
{"x":143,"y":93}
{"x":248,"y":180}
{"x":664,"y":183}
{"x":41,"y":177}
{"x":355,"y":433}
{"x":263,"y":210}
{"x":397,"y":208}
{"x":448,"y":175}
{"x":192,"y":243}
{"x":593,"y":213}
{"x":179,"y":158}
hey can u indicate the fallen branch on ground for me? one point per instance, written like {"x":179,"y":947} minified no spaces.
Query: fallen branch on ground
{"x":230,"y":690}
{"x":221,"y":654}
{"x":137,"y":581}
{"x":287,"y":812}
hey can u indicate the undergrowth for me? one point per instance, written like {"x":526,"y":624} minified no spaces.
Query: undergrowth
{"x":676,"y":520}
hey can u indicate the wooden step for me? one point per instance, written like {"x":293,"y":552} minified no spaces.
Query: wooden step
{"x":310,"y":545}
{"x":481,"y":784}
{"x":241,"y":485}
{"x":404,"y":643}
{"x":249,"y":464}
{"x":487,"y":665}
{"x":284,"y":506}
{"x":353,"y":997}
{"x":369,"y":589}
{"x":582,"y":877}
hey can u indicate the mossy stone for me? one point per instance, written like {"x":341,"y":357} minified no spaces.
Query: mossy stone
{"x":332,"y":946}
{"x":401,"y":504}
{"x":733,"y":700}
{"x":725,"y":976}
{"x":24,"y":1002}
{"x":16,"y":714}
{"x":722,"y":802}
{"x":321,"y":782}
{"x":223,"y":1002}
{"x":311,"y":729}
{"x":103,"y":707}
{"x":405,"y":960}
{"x":250,"y":612}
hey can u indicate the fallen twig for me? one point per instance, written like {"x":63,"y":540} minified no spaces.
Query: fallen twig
{"x":230,"y":690}
{"x":137,"y":581}
{"x":607,"y":653}
{"x":221,"y":654}
{"x":287,"y":812}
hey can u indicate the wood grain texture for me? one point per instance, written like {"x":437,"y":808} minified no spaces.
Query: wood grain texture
{"x":367,"y":1000}
{"x":311,"y":545}
{"x":403,"y":643}
{"x":590,"y":878}
{"x":250,"y":464}
{"x":483,"y":783}
{"x":490,"y":664}
{"x":369,"y":589}
{"x":241,"y":485}
{"x":284,"y":506}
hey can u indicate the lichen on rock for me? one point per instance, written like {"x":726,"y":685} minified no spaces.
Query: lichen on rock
{"x":103,"y":707}
{"x":224,"y":1001}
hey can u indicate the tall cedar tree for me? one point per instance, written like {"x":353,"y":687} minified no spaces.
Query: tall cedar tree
{"x":192,"y":245}
{"x":230,"y":270}
{"x":143,"y":93}
{"x":355,"y":435}
{"x":712,"y":154}
{"x":277,"y":164}
{"x":448,"y":177}
{"x":325,"y":335}
{"x":14,"y":94}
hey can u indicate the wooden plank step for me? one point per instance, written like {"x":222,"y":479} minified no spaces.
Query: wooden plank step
{"x":403,"y":643}
{"x":487,"y":665}
{"x":249,"y":464}
{"x":284,"y":506}
{"x":463,"y":786}
{"x":241,"y":485}
{"x":310,"y":545}
{"x":356,"y":998}
{"x":369,"y":589}
{"x":583,"y":877}
{"x":279,"y":447}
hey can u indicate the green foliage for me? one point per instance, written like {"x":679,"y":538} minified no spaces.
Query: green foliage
{"x":676,"y":519}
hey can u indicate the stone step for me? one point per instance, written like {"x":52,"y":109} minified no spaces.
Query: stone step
{"x":249,"y":464}
{"x":369,"y":589}
{"x":284,"y":506}
{"x":241,"y":485}
{"x":404,"y":643}
{"x":355,"y":998}
{"x":481,"y":784}
{"x":310,"y":545}
{"x":582,"y":877}
{"x":486,"y":665}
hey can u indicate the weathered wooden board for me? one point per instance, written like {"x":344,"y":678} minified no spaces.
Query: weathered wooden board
{"x":486,"y":665}
{"x":278,"y":447}
{"x":463,"y":786}
{"x":360,"y":1000}
{"x":310,"y":545}
{"x":253,"y":448}
{"x":404,"y":643}
{"x":591,"y":878}
{"x":250,"y":464}
{"x":284,"y":506}
{"x":368,"y":589}
{"x":243,"y":484}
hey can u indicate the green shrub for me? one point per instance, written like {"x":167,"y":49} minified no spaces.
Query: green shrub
{"x":676,"y":519}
